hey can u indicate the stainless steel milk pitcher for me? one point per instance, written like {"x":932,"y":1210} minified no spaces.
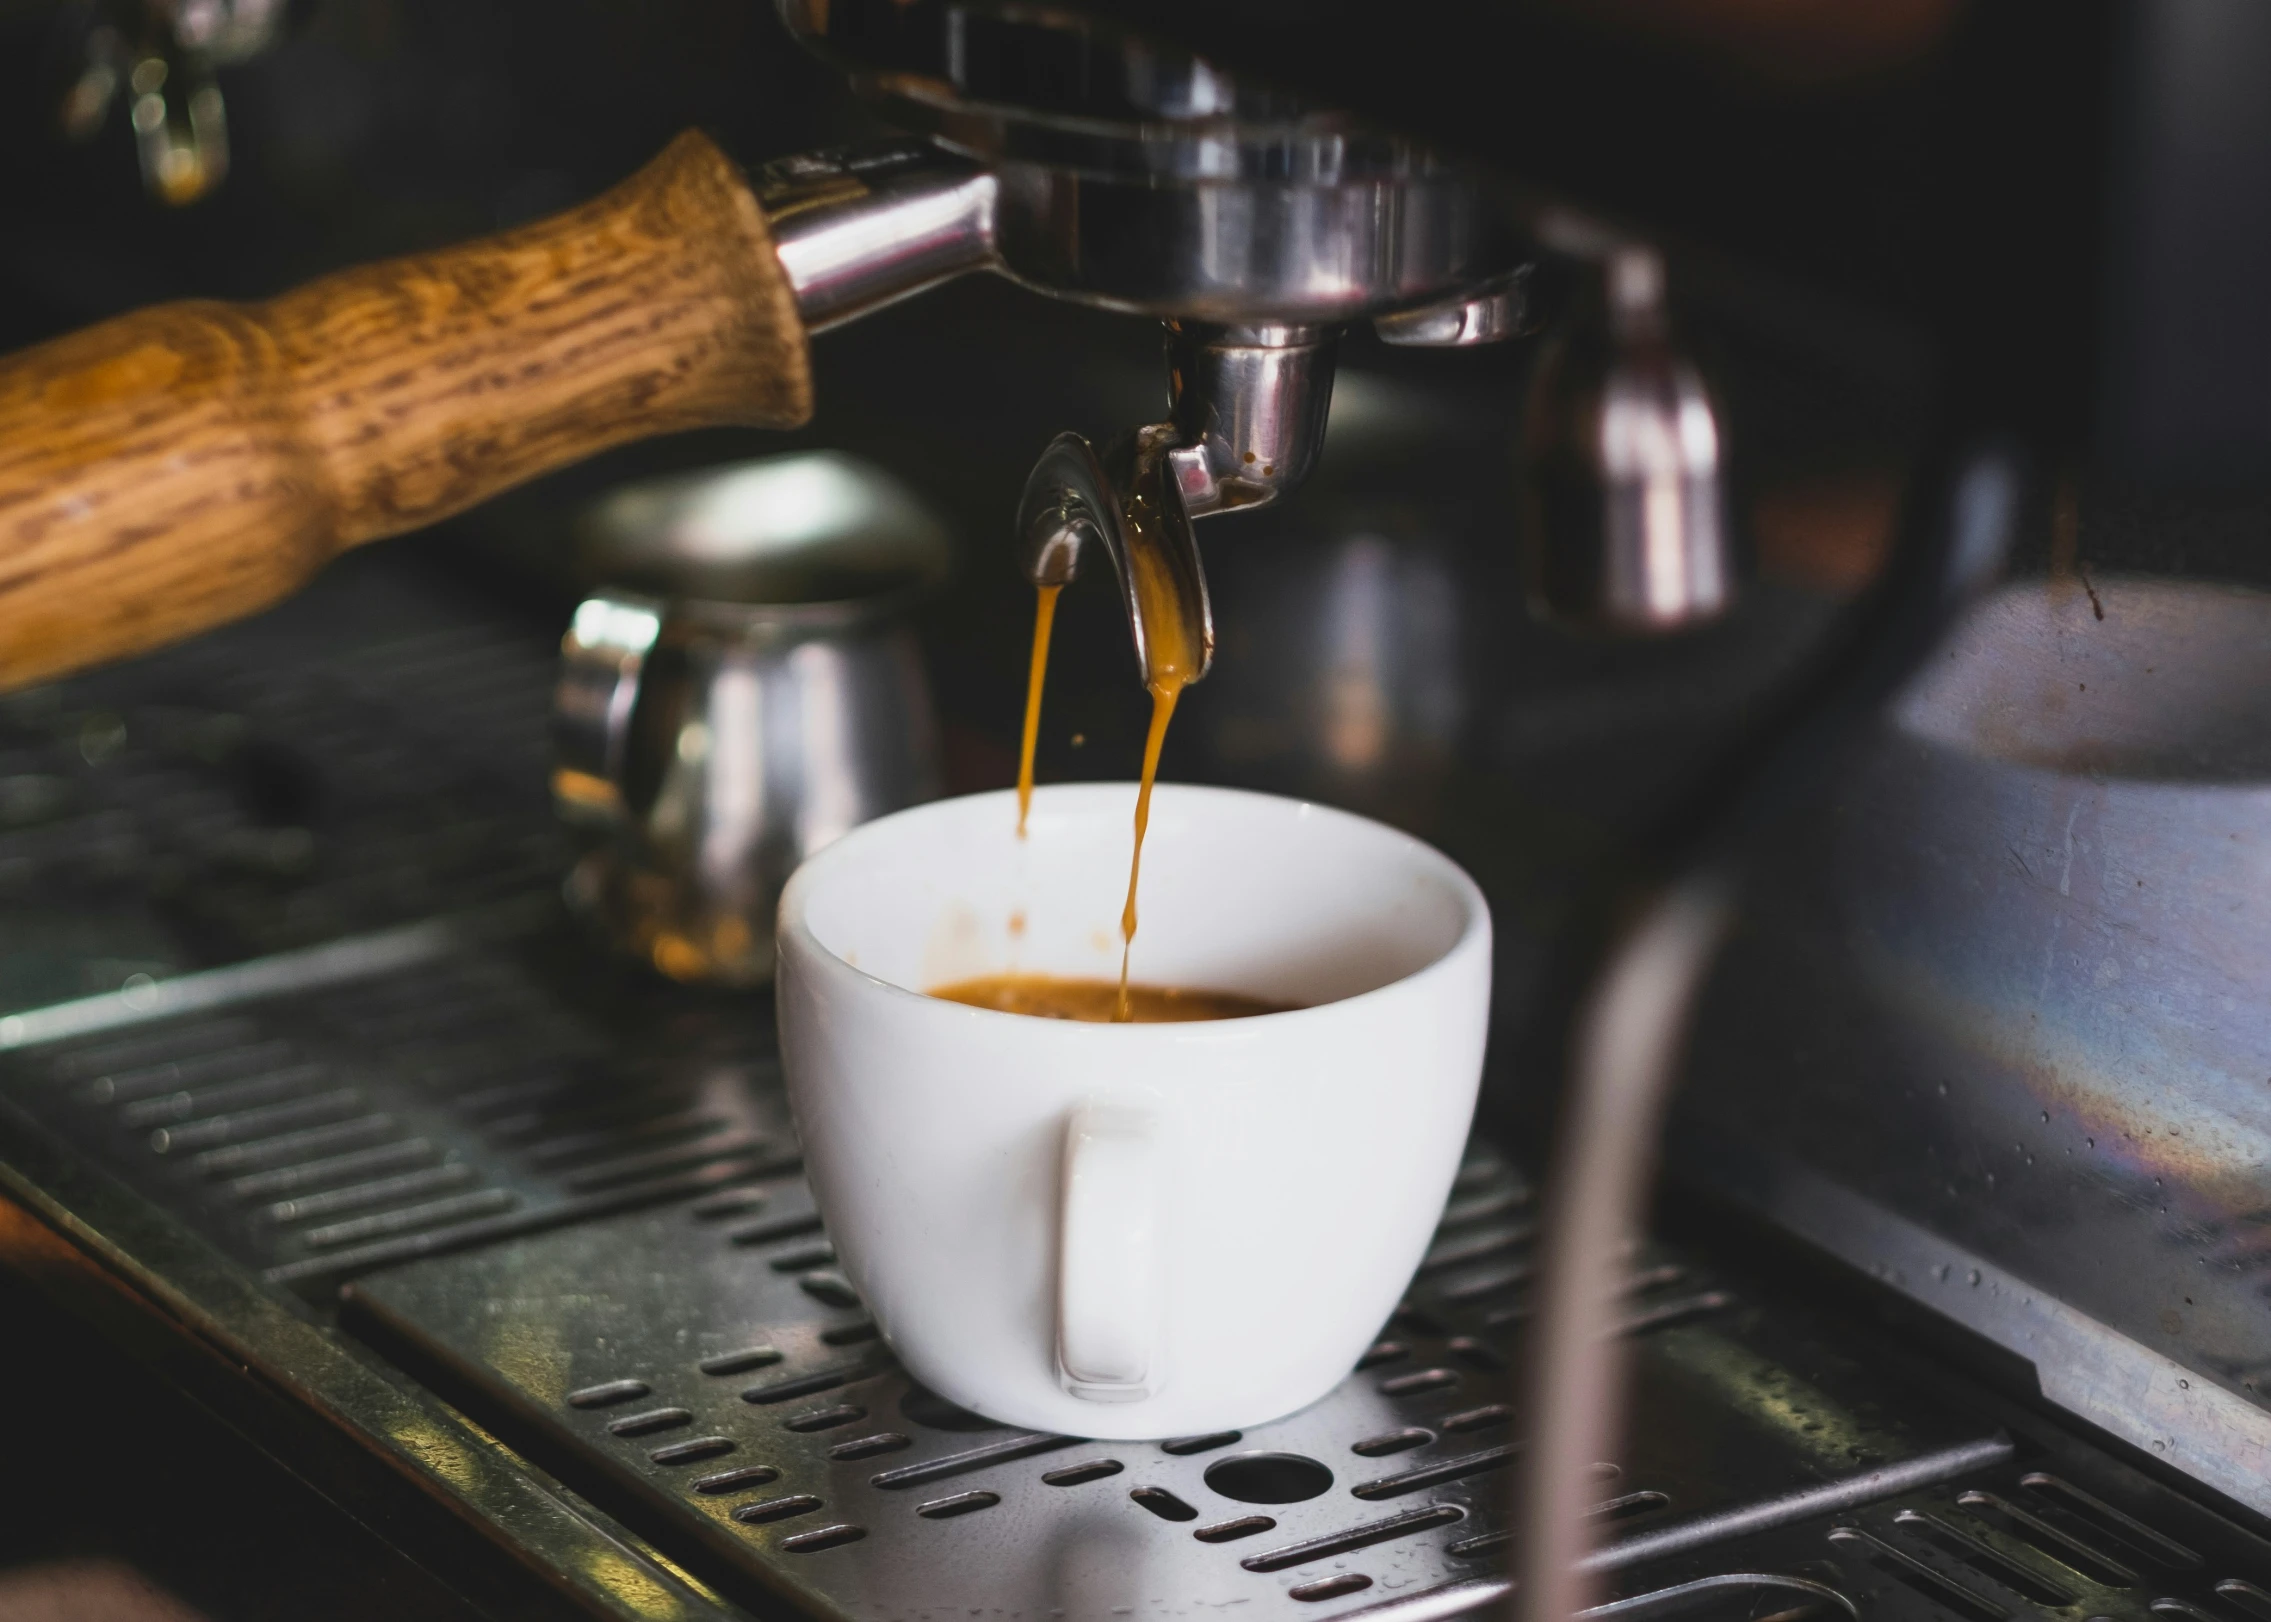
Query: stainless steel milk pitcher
{"x":741,"y":690}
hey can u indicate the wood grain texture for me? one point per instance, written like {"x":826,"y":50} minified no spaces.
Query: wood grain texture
{"x":184,"y":465}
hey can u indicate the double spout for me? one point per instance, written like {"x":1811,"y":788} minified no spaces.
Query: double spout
{"x":1245,"y":421}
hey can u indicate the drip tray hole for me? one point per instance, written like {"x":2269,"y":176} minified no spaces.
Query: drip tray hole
{"x":1348,"y":1582}
{"x":1269,"y":1478}
{"x":1164,"y":1504}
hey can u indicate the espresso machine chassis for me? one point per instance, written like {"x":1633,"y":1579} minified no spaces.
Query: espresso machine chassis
{"x":311,"y":1095}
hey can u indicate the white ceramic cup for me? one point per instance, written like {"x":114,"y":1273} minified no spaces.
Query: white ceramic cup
{"x":1132,"y":1231}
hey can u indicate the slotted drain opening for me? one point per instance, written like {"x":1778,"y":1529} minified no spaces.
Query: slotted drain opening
{"x":734,"y":1202}
{"x":693,"y":1452}
{"x":1245,"y":1526}
{"x":827,"y":1537}
{"x":749,"y":1475}
{"x":825,"y":1419}
{"x":829,"y":1289}
{"x":2178,"y":1610}
{"x":2039,"y":1535}
{"x":646,"y":1424}
{"x":1164,"y":1504}
{"x":408,"y":1219}
{"x":800,"y":1385}
{"x":1477,"y":1354}
{"x":803,"y":1258}
{"x":1403,"y":1441}
{"x":1631,"y":1506}
{"x":1348,"y":1582}
{"x":1072,"y":1475}
{"x":1761,"y":1596}
{"x":868,"y":1447}
{"x":1201,"y":1444}
{"x":777,"y":1509}
{"x":741,"y":1362}
{"x":361,"y":1196}
{"x":1406,"y":1385}
{"x":1356,"y":1537}
{"x":2124,"y":1529}
{"x":1477,"y":1419}
{"x":173,"y":1043}
{"x":962,"y":1503}
{"x":2254,"y":1601}
{"x":977,"y":1458}
{"x":1429,"y":1475}
{"x":1475,"y":1246}
{"x":1990,"y":1563}
{"x":1913,"y":1574}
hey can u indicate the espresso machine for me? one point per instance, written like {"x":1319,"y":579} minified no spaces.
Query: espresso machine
{"x":1776,"y":492}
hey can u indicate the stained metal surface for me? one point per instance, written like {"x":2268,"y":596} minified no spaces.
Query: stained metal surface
{"x":736,"y":1398}
{"x":451,"y":1101}
{"x":593,"y":1285}
{"x":371,"y":756}
{"x":1997,"y":1033}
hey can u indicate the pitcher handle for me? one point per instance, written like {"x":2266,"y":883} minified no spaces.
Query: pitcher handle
{"x":602,"y":657}
{"x":1108,"y":1272}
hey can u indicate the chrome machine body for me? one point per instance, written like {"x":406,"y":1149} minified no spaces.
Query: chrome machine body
{"x":1141,"y":178}
{"x":306,"y":1082}
{"x":2034,"y":1087}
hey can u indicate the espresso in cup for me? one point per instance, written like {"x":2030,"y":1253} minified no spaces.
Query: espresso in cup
{"x":1103,"y":1002}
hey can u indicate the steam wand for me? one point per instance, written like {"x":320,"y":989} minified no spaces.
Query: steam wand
{"x":1631,"y":1030}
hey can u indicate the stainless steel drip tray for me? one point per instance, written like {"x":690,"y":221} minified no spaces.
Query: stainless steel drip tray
{"x":652,"y":1317}
{"x":567,"y":1198}
{"x":705,"y":1372}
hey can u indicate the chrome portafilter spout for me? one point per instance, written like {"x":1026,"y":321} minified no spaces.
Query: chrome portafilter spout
{"x":1126,"y":502}
{"x":1246,"y":417}
{"x":1247,"y":407}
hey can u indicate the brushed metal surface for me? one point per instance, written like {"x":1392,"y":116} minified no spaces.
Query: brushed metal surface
{"x":566,"y":1208}
{"x":2004,"y":1010}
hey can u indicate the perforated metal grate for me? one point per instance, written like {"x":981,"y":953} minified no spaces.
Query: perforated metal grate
{"x":569,"y":1201}
{"x":704,"y":1370}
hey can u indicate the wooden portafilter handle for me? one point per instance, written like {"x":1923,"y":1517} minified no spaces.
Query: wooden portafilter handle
{"x":178,"y":467}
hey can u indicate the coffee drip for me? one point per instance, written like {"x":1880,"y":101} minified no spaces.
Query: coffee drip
{"x":1129,"y":500}
{"x":1044,"y":616}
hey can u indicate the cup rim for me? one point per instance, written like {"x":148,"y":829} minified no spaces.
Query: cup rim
{"x":792,"y":924}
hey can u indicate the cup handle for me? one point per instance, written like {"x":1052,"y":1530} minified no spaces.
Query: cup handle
{"x":1108,"y":1255}
{"x":602,"y":658}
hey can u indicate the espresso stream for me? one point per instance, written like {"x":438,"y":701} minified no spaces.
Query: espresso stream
{"x":1171,"y":663}
{"x":1043,"y":617}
